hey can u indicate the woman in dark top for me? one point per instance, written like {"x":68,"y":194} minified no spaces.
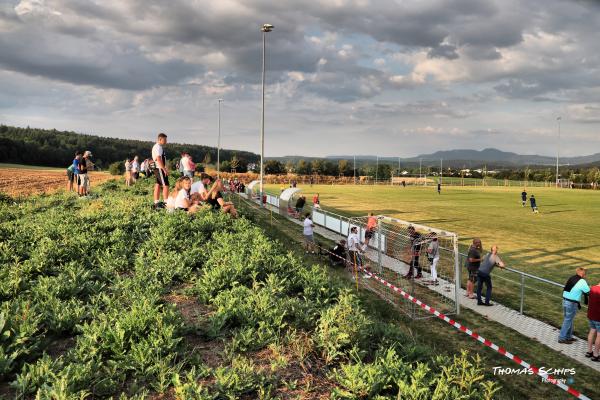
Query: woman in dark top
{"x":216,"y":201}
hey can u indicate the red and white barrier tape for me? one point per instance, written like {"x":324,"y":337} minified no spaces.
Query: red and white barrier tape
{"x":474,"y":335}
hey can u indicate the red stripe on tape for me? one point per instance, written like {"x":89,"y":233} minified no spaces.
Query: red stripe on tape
{"x":488,"y":343}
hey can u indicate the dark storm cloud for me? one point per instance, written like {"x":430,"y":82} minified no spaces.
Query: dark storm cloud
{"x":76,"y":61}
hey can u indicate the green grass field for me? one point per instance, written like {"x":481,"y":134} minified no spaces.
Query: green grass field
{"x":564,"y":235}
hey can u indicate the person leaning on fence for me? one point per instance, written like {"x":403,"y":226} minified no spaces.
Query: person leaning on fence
{"x":355,"y":249}
{"x":371,"y":228}
{"x":484,"y":275}
{"x":472,"y":264}
{"x":415,"y":251}
{"x":433,"y":256}
{"x":574,"y":288}
{"x":594,"y":318}
{"x":337,"y":255}
{"x":309,"y":240}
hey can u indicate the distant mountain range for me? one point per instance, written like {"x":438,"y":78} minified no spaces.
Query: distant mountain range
{"x":470,"y":158}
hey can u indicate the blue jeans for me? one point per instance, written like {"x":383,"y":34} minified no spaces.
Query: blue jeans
{"x":569,"y":311}
{"x":481,"y":279}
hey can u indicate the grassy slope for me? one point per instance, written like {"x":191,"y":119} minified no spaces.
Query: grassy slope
{"x":551,"y":244}
{"x":445,"y":339}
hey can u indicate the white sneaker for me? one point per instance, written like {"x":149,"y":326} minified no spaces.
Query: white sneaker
{"x":365,"y":276}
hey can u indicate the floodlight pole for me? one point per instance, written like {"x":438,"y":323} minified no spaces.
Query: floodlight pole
{"x":420,"y":159}
{"x":264,"y":29}
{"x":219,"y":143}
{"x":354,"y":170}
{"x":376,"y":169}
{"x":558,"y":119}
{"x":441,"y":173}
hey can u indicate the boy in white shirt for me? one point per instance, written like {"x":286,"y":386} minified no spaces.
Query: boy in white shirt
{"x":309,"y":241}
{"x":161,"y":173}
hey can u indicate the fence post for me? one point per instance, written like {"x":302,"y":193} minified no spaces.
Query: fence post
{"x":379,"y":236}
{"x":324,"y":218}
{"x":457,"y":264}
{"x":522,"y":292}
{"x":340,"y":224}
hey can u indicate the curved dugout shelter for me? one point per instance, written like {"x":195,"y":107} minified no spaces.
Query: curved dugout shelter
{"x":286,"y":199}
{"x":250,"y":188}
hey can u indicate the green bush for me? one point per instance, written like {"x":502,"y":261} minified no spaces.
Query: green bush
{"x":117,"y":168}
{"x":342,"y":328}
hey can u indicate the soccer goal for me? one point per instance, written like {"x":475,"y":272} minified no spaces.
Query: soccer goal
{"x":563,"y":183}
{"x":418,"y":179}
{"x":398,"y":244}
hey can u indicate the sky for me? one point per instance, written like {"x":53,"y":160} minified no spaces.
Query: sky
{"x":380,"y":77}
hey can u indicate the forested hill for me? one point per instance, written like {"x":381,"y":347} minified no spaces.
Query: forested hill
{"x":49,"y":147}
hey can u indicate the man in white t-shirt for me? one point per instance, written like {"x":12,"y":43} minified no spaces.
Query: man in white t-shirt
{"x":355,"y":248}
{"x":199,"y":187}
{"x":309,"y":241}
{"x":160,"y":172}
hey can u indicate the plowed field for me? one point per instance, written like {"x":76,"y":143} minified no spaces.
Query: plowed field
{"x":25,"y":182}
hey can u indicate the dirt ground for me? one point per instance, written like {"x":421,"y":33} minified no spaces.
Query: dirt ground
{"x":25,"y":182}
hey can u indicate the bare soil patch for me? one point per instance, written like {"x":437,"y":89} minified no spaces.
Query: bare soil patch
{"x":17,"y":182}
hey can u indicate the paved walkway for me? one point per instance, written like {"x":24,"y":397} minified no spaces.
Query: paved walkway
{"x":527,"y":326}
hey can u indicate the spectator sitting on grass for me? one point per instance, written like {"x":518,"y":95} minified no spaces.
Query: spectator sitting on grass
{"x":594,"y":318}
{"x":170,"y":203}
{"x":337,"y":255}
{"x":199,"y":192}
{"x":182,"y":198}
{"x":215,"y":199}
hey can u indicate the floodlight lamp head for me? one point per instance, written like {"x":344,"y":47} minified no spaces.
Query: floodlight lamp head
{"x":267,"y":28}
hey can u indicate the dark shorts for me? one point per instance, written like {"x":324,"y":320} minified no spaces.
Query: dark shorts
{"x":472,"y":274}
{"x":70,"y":176}
{"x":369,"y":234}
{"x":161,"y":178}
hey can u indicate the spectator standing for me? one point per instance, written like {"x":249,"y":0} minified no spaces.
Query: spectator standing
{"x":186,"y":165}
{"x":75,"y":166}
{"x":160,"y":172}
{"x":574,"y":288}
{"x":484,"y":275}
{"x":439,"y":188}
{"x":300,"y":204}
{"x":84,"y":180}
{"x":127,"y":172}
{"x":533,"y":204}
{"x":523,"y":198}
{"x":70,"y":177}
{"x":433,"y":255}
{"x":135,"y":169}
{"x":472,"y":264}
{"x":309,"y":240}
{"x":594,"y":318}
{"x":415,"y":250}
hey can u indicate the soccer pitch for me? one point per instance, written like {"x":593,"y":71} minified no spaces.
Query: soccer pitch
{"x":564,"y":235}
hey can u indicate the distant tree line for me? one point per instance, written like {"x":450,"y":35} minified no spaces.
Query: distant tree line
{"x":385,"y":170}
{"x":52,"y":148}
